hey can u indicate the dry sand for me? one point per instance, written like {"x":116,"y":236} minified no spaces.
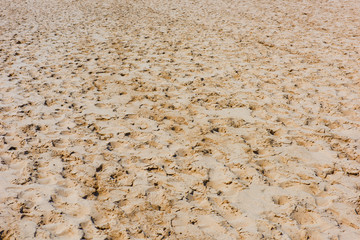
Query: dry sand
{"x":185,"y":119}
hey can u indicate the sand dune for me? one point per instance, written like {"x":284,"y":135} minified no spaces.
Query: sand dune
{"x":179,"y":119}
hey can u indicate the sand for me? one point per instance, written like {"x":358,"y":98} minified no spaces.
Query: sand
{"x":179,"y":119}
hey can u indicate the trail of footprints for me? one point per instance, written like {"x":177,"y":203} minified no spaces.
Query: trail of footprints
{"x":127,"y":135}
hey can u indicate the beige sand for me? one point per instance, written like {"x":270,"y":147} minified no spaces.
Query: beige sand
{"x":182,"y":119}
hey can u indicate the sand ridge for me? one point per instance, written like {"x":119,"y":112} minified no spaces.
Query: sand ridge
{"x":179,"y":119}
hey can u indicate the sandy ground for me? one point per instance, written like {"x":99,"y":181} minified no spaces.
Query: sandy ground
{"x":179,"y":119}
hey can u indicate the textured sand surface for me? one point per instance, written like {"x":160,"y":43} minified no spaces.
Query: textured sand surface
{"x":182,"y":119}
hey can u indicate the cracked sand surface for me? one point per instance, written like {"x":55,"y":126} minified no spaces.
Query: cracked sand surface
{"x":179,"y":119}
